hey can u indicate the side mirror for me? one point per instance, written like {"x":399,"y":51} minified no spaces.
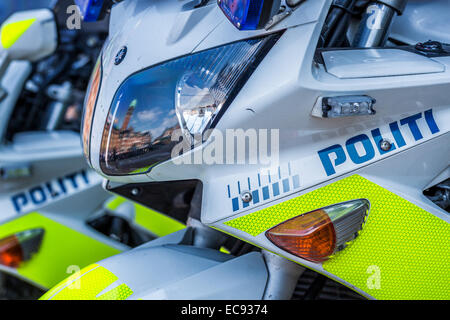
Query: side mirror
{"x":29,"y":35}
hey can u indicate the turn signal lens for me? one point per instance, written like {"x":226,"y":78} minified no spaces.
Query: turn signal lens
{"x":89,"y":106}
{"x":10,"y":252}
{"x":20,"y":247}
{"x":317,"y":235}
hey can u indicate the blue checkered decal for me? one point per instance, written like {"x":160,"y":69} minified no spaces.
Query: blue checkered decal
{"x":277,"y":185}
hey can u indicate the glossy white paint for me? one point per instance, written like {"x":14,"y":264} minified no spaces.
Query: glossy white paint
{"x":423,"y":20}
{"x":370,"y":63}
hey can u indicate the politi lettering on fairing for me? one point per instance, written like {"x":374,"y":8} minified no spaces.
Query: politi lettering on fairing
{"x":47,"y":192}
{"x":371,"y":146}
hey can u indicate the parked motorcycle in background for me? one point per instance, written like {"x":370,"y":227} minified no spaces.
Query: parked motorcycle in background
{"x":55,"y":218}
{"x":7,"y":7}
{"x":354,"y":95}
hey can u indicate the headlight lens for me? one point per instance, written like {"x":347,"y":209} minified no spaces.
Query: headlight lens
{"x":89,"y":106}
{"x":189,"y":93}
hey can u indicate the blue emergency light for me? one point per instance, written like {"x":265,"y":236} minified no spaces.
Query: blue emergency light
{"x":91,"y":10}
{"x":249,"y":14}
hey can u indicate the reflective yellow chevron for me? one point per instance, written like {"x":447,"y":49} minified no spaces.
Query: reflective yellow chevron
{"x":403,"y":252}
{"x":87,"y":285}
{"x":12,"y":32}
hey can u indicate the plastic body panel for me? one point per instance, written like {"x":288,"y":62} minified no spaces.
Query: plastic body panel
{"x":368,"y":63}
{"x":170,"y":268}
{"x":422,"y":21}
{"x":203,"y":273}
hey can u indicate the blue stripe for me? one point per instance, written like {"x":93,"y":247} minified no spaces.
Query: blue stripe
{"x":265,"y":191}
{"x":286,"y":185}
{"x":296,"y":181}
{"x":229,"y":193}
{"x":235,"y":202}
{"x":276,"y":189}
{"x":255,"y":195}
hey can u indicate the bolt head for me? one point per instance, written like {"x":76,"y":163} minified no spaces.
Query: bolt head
{"x":385,"y":145}
{"x":246,"y":196}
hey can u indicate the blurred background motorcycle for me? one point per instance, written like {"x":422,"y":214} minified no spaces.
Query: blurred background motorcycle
{"x":55,"y":216}
{"x":7,"y":7}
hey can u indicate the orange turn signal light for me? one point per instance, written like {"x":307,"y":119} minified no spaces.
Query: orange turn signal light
{"x":10,"y":252}
{"x":20,"y":247}
{"x":317,"y":235}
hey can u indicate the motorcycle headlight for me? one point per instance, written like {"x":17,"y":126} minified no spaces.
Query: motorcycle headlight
{"x":190,"y":93}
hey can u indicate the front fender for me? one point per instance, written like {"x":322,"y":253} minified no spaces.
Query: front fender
{"x":168,"y":268}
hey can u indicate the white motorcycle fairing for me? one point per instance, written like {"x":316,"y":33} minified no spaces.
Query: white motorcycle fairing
{"x":412,"y":112}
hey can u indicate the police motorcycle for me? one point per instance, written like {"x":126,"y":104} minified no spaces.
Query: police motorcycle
{"x":348,"y":103}
{"x":55,"y":216}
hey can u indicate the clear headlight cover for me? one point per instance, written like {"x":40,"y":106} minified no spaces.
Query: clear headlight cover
{"x":190,"y":93}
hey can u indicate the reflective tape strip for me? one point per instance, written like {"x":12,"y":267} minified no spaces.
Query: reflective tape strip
{"x":121,"y":292}
{"x":87,"y":285}
{"x":12,"y":32}
{"x":403,"y":252}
